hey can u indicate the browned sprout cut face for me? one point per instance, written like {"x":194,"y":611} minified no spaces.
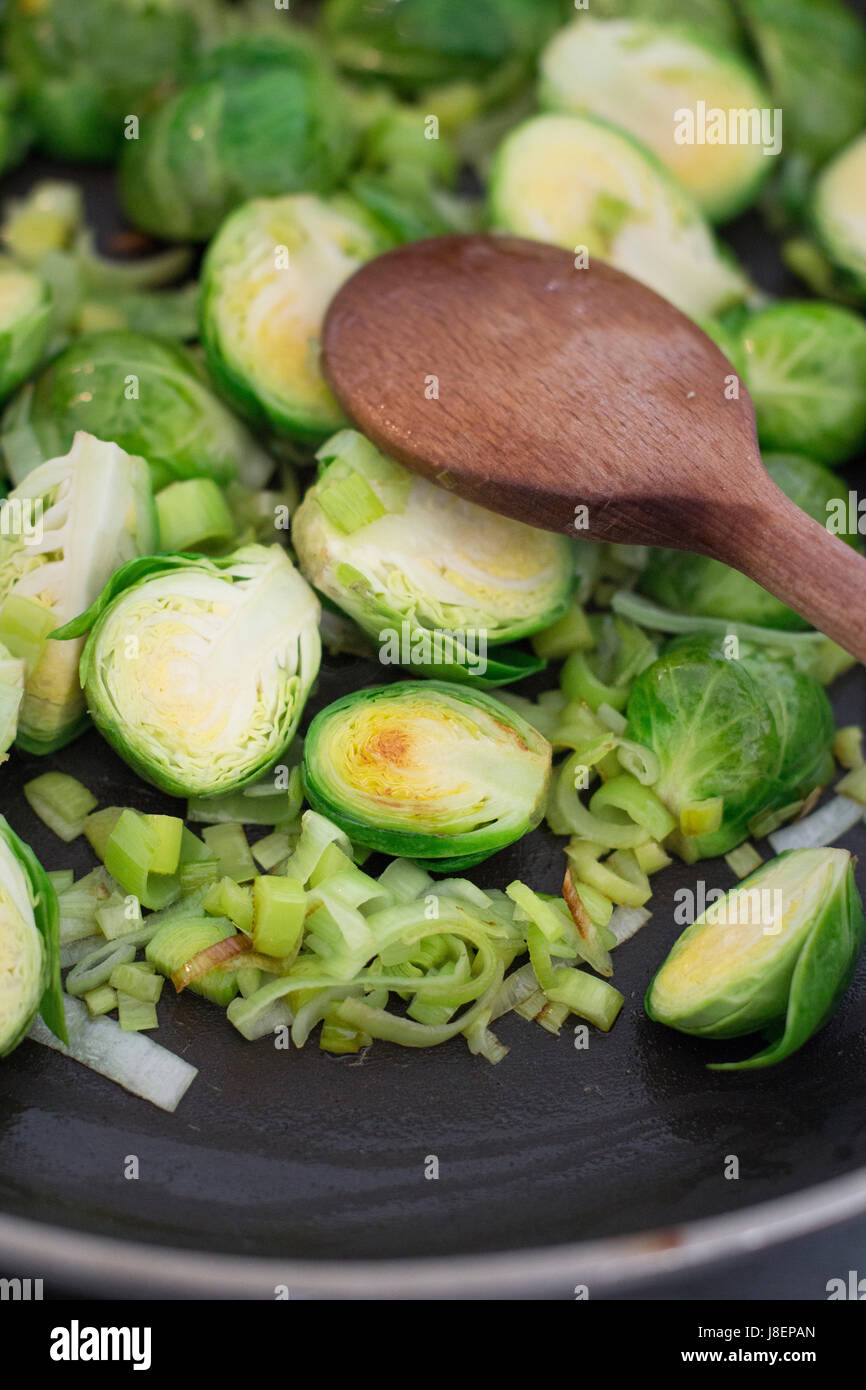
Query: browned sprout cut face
{"x":428,"y":770}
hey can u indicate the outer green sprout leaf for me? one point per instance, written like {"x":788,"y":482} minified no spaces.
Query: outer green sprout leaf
{"x":715,"y":19}
{"x":85,"y":66}
{"x":776,"y":953}
{"x":16,"y":130}
{"x":268,"y":278}
{"x":577,"y":182}
{"x":145,"y":395}
{"x":433,"y":579}
{"x":25,"y":324}
{"x":265,"y":116}
{"x":419,"y":43}
{"x":62,"y":533}
{"x":814,"y":52}
{"x":196,"y":670}
{"x":748,"y":728}
{"x":29,"y":944}
{"x":806,"y":373}
{"x":645,"y":77}
{"x":429,"y":770}
{"x":838,"y":219}
{"x":696,"y":584}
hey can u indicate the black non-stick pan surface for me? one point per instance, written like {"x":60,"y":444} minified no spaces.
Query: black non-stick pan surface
{"x":318,"y":1162}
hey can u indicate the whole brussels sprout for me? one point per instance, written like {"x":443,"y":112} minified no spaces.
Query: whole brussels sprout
{"x":145,"y":395}
{"x":776,"y":953}
{"x":707,"y":588}
{"x":269,"y":275}
{"x":419,"y":43}
{"x":265,"y":115}
{"x":29,"y":944}
{"x":805,"y":368}
{"x":86,"y":65}
{"x":814,"y":52}
{"x":426,"y":769}
{"x":749,"y":729}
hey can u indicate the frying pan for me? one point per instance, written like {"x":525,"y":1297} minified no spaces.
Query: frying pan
{"x":561,"y":1166}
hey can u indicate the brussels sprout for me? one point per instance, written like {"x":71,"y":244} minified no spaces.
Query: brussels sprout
{"x":268,"y":278}
{"x":62,"y":531}
{"x":13,"y":672}
{"x":16,"y":131}
{"x":412,"y":563}
{"x":265,"y":116}
{"x":29,"y":944}
{"x":85,"y":66}
{"x":25,"y":324}
{"x":417,"y":43}
{"x":806,"y":373}
{"x":716,"y":19}
{"x":648,"y":78}
{"x":197,"y":670}
{"x":750,"y":729}
{"x":696,"y":584}
{"x":145,"y":395}
{"x":444,"y":775}
{"x":838,"y":216}
{"x":814,"y":52}
{"x":579,"y":182}
{"x":775,"y":953}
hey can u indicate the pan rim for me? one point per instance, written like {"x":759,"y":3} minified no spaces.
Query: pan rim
{"x":134,"y":1269}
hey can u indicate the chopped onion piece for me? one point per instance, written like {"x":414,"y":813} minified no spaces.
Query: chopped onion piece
{"x":625,"y":921}
{"x":821,"y":828}
{"x":132,"y":1060}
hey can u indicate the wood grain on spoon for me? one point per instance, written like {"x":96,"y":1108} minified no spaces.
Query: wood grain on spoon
{"x":498,"y":369}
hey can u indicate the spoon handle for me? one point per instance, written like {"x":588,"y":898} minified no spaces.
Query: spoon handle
{"x":807,"y":567}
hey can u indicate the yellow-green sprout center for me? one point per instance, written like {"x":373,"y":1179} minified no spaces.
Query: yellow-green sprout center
{"x":204,"y":678}
{"x":414,"y":761}
{"x":20,"y":948}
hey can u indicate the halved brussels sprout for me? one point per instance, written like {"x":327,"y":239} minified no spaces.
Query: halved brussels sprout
{"x":444,"y":775}
{"x":62,"y":532}
{"x":145,"y":395}
{"x":747,"y":728}
{"x":413,"y":564}
{"x":85,"y":66}
{"x":650,"y":79}
{"x":29,"y":945}
{"x":25,"y":324}
{"x":196,"y":670}
{"x":417,"y":43}
{"x":806,"y":373}
{"x":579,"y":182}
{"x":13,"y":673}
{"x":775,"y":953}
{"x":696,"y":584}
{"x":814,"y":52}
{"x":264,"y":116}
{"x":268,"y":278}
{"x":838,"y":214}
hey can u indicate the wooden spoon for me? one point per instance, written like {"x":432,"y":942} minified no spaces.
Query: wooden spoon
{"x":576,"y":400}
